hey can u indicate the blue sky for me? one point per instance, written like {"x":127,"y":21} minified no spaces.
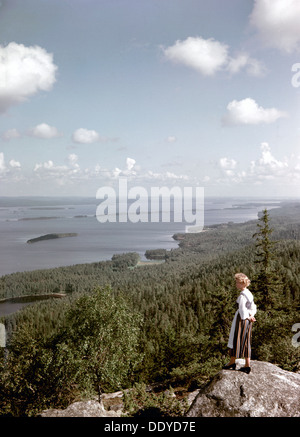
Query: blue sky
{"x":165,"y":93}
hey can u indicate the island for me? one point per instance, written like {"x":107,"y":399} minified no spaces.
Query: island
{"x":51,"y":237}
{"x":156,"y":254}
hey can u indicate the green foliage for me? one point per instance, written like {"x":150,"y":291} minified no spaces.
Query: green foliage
{"x":264,"y":244}
{"x":156,"y":254}
{"x":102,"y":337}
{"x":140,"y":402}
{"x":222,"y":314}
{"x":29,"y":381}
{"x":62,"y":349}
{"x":266,"y":281}
{"x":125,"y":260}
{"x":95,"y":348}
{"x":272,"y":339}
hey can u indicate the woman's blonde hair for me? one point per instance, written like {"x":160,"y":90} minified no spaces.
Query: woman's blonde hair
{"x":241,"y":277}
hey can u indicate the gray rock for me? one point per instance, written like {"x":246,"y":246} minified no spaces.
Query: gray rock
{"x":113,"y":401}
{"x":267,"y":391}
{"x":191,"y":396}
{"x":91,"y":408}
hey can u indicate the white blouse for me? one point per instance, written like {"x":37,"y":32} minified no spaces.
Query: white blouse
{"x":247,"y":308}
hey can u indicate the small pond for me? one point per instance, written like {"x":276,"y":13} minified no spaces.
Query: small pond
{"x":10,"y":306}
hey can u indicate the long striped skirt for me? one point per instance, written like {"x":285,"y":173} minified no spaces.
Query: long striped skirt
{"x":242,"y":339}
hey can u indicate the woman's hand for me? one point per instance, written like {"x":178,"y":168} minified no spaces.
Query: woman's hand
{"x":252,"y":319}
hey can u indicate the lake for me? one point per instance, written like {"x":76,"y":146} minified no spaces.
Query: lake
{"x":22,"y":219}
{"x":25,"y":218}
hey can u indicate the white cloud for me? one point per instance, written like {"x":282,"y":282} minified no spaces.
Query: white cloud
{"x":72,"y":159}
{"x":24,"y":71}
{"x":2,"y":164}
{"x":171,"y":175}
{"x":44,"y":131}
{"x":227,"y":164}
{"x":171,"y":139}
{"x":49,"y":165}
{"x":277,"y":22}
{"x":72,"y":171}
{"x":244,"y":61}
{"x":208,"y":56}
{"x":58,"y":176}
{"x":204,"y":55}
{"x":227,"y":167}
{"x":14,"y":164}
{"x":71,"y":176}
{"x":4,"y":170}
{"x":10,"y":134}
{"x":85,"y":136}
{"x":265,"y":168}
{"x":247,"y":111}
{"x":165,"y":177}
{"x":128,"y":171}
{"x":134,"y":171}
{"x":130,"y":163}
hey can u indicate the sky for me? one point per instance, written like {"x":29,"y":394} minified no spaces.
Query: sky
{"x":162,"y":92}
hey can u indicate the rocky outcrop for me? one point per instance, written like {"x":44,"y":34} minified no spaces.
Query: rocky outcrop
{"x":267,"y":391}
{"x":91,"y":408}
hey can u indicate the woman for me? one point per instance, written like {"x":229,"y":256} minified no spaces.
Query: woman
{"x":239,"y":341}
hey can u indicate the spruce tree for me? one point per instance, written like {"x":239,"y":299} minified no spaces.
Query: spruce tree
{"x":265,"y":282}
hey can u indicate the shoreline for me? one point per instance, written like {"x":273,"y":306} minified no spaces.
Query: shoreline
{"x":175,"y":238}
{"x":35,"y":296}
{"x":289,"y":211}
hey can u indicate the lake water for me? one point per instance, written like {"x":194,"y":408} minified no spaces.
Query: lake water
{"x":13,"y":305}
{"x":22,"y":219}
{"x":26,"y":218}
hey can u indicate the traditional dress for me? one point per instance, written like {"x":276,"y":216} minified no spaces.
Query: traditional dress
{"x":239,"y":341}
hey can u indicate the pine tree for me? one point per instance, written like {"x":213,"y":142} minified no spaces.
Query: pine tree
{"x":265,"y":282}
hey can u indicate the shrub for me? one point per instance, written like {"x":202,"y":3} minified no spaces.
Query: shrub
{"x":96,"y":349}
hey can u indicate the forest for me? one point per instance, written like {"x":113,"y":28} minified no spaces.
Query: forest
{"x":122,"y":322}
